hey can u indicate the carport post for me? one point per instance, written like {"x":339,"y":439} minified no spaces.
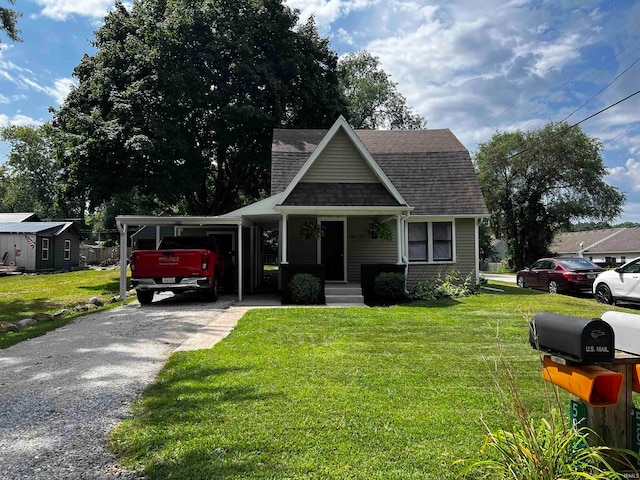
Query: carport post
{"x":123,"y":262}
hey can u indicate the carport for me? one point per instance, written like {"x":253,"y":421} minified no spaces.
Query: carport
{"x":235,"y":224}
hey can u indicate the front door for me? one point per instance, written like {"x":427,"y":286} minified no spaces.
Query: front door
{"x":332,"y":249}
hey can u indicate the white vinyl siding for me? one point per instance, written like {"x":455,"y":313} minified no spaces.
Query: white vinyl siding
{"x":340,"y":162}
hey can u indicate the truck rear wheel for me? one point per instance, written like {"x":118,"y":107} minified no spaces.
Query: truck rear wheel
{"x":212,"y":294}
{"x":144,"y":296}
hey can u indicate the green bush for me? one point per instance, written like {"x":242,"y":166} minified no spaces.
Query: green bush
{"x":305,"y":289}
{"x":390,"y":285}
{"x":449,"y":286}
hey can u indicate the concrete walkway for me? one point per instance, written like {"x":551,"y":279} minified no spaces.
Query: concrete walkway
{"x":217,"y":330}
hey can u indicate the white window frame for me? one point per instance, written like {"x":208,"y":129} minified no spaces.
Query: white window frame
{"x":430,"y":242}
{"x":45,"y":249}
{"x":67,"y":250}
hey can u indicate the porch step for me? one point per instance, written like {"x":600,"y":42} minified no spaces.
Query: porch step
{"x":344,"y":294}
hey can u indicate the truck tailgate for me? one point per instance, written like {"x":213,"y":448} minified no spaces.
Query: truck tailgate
{"x":169,"y":263}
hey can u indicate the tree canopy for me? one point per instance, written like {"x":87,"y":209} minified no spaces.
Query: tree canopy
{"x":9,"y":20}
{"x":373,"y":99}
{"x":180,"y":100}
{"x":31,"y":175}
{"x":536,"y":183}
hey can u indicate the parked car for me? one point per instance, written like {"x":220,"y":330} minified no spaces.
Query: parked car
{"x":567,"y":274}
{"x":622,"y":283}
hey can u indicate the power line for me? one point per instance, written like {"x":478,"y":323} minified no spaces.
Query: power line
{"x":564,"y":130}
{"x":602,"y":89}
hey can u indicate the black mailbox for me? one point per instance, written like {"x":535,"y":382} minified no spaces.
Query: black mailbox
{"x":581,"y":340}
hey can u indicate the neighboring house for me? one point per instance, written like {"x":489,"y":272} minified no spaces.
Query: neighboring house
{"x":18,"y":217}
{"x":609,"y":247}
{"x":421,"y":183}
{"x":39,"y":246}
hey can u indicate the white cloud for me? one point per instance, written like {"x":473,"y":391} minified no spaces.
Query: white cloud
{"x":62,"y":9}
{"x":58,"y":91}
{"x":327,"y":11}
{"x":18,"y":120}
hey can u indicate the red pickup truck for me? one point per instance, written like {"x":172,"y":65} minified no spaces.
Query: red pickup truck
{"x":180,"y":264}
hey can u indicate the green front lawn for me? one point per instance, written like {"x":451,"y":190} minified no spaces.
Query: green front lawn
{"x":22,"y":296}
{"x":358,"y":393}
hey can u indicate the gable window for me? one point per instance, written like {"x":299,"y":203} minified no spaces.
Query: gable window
{"x":67,"y":249}
{"x":45,"y":249}
{"x":430,"y":241}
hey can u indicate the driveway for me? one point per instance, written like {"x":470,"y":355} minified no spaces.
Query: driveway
{"x":61,"y":393}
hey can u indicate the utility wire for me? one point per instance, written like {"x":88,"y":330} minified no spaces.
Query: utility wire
{"x":602,"y":89}
{"x":564,"y":130}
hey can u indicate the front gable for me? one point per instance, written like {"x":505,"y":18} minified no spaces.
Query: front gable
{"x":341,"y":172}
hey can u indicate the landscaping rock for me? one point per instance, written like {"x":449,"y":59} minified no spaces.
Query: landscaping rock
{"x":80,"y":308}
{"x":8,"y":327}
{"x":60,"y":313}
{"x":96,"y":301}
{"x":90,"y":306}
{"x":26,"y":323}
{"x":43,"y":317}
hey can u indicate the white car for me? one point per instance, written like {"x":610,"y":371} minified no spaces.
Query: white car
{"x":622,"y":283}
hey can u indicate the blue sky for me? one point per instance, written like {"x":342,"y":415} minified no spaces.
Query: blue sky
{"x":474,"y":67}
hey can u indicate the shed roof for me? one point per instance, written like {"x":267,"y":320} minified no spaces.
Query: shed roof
{"x":52,"y":228}
{"x":18,"y":217}
{"x":431,"y":169}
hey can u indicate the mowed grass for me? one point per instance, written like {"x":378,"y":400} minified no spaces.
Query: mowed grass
{"x":22,"y":296}
{"x":357,"y":393}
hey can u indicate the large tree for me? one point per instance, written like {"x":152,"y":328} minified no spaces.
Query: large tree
{"x":31,"y":180}
{"x":181,"y":98}
{"x":373,"y":98}
{"x":538,"y":182}
{"x":8,"y":21}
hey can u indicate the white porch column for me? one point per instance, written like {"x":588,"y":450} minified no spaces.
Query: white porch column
{"x":123,"y":262}
{"x":283,"y":240}
{"x":477,"y":246}
{"x":157,"y":235}
{"x":239,"y":254}
{"x":399,"y":238}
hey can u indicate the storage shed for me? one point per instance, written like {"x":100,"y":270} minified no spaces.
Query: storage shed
{"x":39,"y":246}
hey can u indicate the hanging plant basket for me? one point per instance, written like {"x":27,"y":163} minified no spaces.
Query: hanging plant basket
{"x":380,"y":230}
{"x":311,"y":230}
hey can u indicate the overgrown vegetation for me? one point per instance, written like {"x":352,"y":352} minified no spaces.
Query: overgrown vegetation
{"x":449,"y":285}
{"x":358,"y":393}
{"x":305,"y":289}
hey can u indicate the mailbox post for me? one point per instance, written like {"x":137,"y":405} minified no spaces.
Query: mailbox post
{"x":582,"y":359}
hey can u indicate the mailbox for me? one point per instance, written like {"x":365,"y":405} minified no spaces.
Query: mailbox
{"x":626,"y":328}
{"x":580,"y":340}
{"x":597,"y":386}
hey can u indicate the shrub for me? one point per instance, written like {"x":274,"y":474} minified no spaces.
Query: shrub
{"x":449,"y":286}
{"x":390,"y":285}
{"x":305,"y":289}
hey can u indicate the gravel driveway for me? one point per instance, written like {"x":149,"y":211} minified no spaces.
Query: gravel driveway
{"x":61,"y":393}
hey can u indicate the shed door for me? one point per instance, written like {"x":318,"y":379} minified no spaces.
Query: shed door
{"x":332,"y":253}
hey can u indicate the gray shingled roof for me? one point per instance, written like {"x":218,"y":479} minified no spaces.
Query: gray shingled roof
{"x":431,"y":169}
{"x":610,"y":240}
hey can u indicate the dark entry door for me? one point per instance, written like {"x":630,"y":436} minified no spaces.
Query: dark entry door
{"x":332,"y":249}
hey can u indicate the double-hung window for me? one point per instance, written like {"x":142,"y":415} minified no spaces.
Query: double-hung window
{"x":430,"y":241}
{"x":67,"y":249}
{"x":45,"y":249}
